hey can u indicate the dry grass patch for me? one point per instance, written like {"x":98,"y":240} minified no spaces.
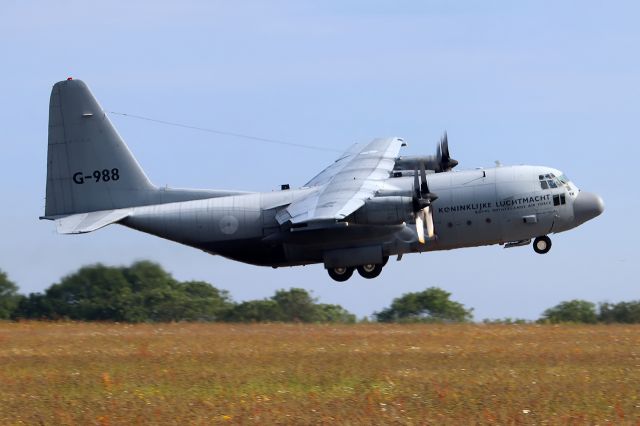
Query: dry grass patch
{"x":78,"y":373}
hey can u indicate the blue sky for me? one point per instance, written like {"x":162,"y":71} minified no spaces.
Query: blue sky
{"x":540,"y":82}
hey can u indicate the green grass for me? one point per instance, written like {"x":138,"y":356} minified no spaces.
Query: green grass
{"x":75,"y":373}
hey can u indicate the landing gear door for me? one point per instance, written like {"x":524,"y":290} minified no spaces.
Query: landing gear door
{"x":545,"y":217}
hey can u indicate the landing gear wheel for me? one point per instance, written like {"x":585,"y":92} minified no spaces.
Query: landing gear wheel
{"x":370,"y":270}
{"x":542,"y":245}
{"x":340,"y":274}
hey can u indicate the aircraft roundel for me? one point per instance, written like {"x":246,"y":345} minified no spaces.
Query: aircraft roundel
{"x":228,"y":225}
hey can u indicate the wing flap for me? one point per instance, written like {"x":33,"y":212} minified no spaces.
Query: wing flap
{"x":88,"y":222}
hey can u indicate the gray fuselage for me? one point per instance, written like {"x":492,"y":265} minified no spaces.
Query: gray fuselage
{"x":474,"y":208}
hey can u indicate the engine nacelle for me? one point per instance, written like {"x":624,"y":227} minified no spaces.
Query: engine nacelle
{"x":413,"y":162}
{"x":392,"y":210}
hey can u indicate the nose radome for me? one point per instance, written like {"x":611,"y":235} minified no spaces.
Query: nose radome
{"x":586,"y":206}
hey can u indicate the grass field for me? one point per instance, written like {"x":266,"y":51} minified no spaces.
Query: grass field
{"x":74,"y":373}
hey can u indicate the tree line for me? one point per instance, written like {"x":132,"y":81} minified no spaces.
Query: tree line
{"x":145,"y":292}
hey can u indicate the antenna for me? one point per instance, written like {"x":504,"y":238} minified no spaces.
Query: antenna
{"x":225,"y":133}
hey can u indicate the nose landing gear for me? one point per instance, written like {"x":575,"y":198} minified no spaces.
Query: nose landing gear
{"x":542,"y":245}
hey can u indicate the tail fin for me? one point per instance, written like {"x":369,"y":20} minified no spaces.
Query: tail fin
{"x":89,"y":167}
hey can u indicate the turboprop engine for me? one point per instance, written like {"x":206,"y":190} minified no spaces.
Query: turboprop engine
{"x":441,"y":162}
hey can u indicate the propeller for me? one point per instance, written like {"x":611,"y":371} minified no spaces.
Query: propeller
{"x":422,"y":199}
{"x":444,"y":158}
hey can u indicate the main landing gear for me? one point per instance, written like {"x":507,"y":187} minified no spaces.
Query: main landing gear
{"x":341,"y":273}
{"x":368,"y":271}
{"x":542,"y":245}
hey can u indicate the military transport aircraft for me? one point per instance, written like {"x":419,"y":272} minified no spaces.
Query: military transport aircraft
{"x":370,"y":204}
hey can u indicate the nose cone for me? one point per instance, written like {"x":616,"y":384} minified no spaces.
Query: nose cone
{"x":586,"y":206}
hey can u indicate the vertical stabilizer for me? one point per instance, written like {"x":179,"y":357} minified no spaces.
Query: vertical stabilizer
{"x":89,"y":167}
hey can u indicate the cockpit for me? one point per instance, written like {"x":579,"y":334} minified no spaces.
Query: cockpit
{"x":551,"y":181}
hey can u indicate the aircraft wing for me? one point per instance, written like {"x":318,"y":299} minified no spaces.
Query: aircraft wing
{"x":325,"y":176}
{"x":343,"y":187}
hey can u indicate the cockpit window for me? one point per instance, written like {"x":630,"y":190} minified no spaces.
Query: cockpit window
{"x":549,"y":180}
{"x":564,"y":179}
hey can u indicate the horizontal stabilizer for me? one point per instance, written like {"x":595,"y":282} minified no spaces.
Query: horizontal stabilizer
{"x":88,"y":222}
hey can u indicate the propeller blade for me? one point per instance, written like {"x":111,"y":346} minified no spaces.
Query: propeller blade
{"x":428,"y":214}
{"x":416,"y":183}
{"x":420,"y":227}
{"x":446,"y":162}
{"x":424,"y":187}
{"x":445,"y":146}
